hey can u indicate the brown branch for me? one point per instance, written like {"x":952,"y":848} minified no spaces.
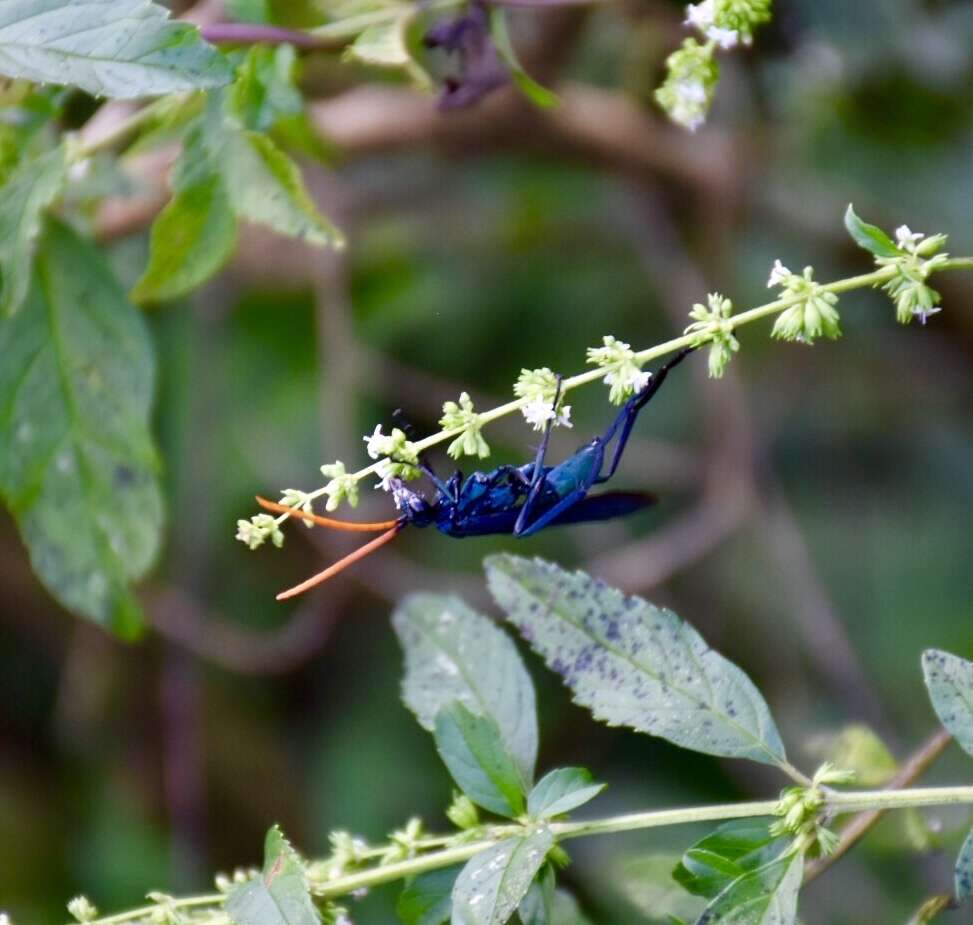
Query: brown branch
{"x":239,"y":33}
{"x":863,"y":823}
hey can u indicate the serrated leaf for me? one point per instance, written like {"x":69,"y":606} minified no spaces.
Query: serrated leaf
{"x":492,"y":884}
{"x":280,"y":895}
{"x":537,"y":94}
{"x":454,"y":653}
{"x":562,"y":790}
{"x":765,"y":896}
{"x":114,"y":48}
{"x":634,"y":664}
{"x":223,"y":174}
{"x":537,"y":907}
{"x":730,"y":851}
{"x":427,"y":900}
{"x":474,"y":751}
{"x":648,"y":884}
{"x":31,"y":188}
{"x":191,"y":239}
{"x":76,"y":386}
{"x":949,"y":680}
{"x":870,"y":237}
{"x":963,"y":877}
{"x":266,"y":187}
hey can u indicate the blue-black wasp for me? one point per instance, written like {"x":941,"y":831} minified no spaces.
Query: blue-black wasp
{"x":510,"y":500}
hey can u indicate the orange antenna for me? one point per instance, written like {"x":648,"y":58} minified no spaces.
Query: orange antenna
{"x":342,"y":564}
{"x":347,"y":525}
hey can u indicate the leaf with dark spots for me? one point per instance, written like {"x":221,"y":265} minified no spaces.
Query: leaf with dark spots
{"x":949,"y":680}
{"x":635,"y":664}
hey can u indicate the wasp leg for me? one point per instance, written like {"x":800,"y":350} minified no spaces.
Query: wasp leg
{"x":537,"y":477}
{"x":628,"y":414}
{"x":550,"y":515}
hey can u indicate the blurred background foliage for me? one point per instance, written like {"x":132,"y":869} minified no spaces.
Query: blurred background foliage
{"x":816,"y":504}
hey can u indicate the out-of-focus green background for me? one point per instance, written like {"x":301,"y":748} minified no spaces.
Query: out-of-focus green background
{"x":816,"y":504}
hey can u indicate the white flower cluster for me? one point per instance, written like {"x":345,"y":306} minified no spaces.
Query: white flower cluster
{"x":811,"y":317}
{"x":539,"y":386}
{"x":692,"y":71}
{"x":691,"y":76}
{"x":712,"y":325}
{"x":461,"y":416}
{"x":703,"y":16}
{"x":82,"y":909}
{"x":255,"y":531}
{"x":399,"y":457}
{"x":342,"y":485}
{"x":920,"y":257}
{"x":728,"y":23}
{"x":625,"y":376}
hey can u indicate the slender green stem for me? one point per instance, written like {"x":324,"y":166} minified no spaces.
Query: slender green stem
{"x":839,"y":803}
{"x":186,"y":902}
{"x":863,"y":281}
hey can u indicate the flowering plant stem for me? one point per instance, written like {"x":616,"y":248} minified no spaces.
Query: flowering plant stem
{"x":838,"y":803}
{"x":866,"y":280}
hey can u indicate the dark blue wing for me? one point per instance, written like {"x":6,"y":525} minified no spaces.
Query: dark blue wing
{"x":606,"y":506}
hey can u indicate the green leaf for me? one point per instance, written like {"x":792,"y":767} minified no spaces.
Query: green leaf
{"x":266,"y":187}
{"x":225,"y":173}
{"x":31,"y":188}
{"x":537,"y":907}
{"x":648,"y":884}
{"x":474,"y":751}
{"x":964,"y":870}
{"x":765,"y":896}
{"x":279,"y":895}
{"x":115,"y":48}
{"x":76,"y":387}
{"x":192,"y":238}
{"x":386,"y":44}
{"x":562,"y":790}
{"x":493,"y":882}
{"x":454,"y":653}
{"x":635,"y":664}
{"x":566,"y":911}
{"x":427,"y":900}
{"x":264,"y":89}
{"x":949,"y":680}
{"x":729,"y":852}
{"x":537,"y":94}
{"x":870,"y":237}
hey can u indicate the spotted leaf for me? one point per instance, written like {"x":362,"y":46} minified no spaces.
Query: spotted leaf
{"x":634,"y":664}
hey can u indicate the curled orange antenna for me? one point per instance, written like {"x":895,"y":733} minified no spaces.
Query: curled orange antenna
{"x":347,"y":525}
{"x":342,"y":564}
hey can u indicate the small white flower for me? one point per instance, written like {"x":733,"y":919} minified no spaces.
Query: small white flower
{"x":376,"y":442}
{"x":689,"y":104}
{"x":908,"y":239}
{"x":701,"y":15}
{"x":81,"y":908}
{"x":538,"y":413}
{"x":778,"y":275}
{"x":725,"y":38}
